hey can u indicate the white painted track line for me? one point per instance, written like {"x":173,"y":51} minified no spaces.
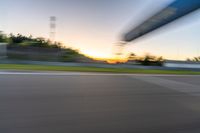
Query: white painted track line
{"x":87,"y":74}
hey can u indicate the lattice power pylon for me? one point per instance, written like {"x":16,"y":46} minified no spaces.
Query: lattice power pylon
{"x":52,"y":33}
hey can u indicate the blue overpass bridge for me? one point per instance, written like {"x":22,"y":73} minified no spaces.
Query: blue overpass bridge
{"x":172,"y":12}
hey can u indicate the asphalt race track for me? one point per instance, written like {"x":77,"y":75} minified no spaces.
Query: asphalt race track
{"x":99,"y":103}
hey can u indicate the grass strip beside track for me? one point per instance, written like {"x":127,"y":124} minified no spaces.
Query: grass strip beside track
{"x":93,"y":69}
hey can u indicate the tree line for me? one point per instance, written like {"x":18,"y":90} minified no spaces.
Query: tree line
{"x":22,"y":41}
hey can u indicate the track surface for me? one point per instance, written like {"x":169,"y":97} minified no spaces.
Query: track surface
{"x":99,"y":103}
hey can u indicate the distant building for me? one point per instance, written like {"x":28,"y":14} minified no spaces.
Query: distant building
{"x":3,"y":50}
{"x":3,"y":46}
{"x":181,"y":64}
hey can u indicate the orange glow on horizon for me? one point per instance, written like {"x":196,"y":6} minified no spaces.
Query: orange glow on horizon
{"x":111,"y":59}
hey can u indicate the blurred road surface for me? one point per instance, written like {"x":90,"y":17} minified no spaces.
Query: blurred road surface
{"x":99,"y":103}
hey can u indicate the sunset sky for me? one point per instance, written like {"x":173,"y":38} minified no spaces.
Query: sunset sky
{"x":95,"y":26}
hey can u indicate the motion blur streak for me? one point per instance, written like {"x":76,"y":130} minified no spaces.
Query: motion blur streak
{"x":98,"y":104}
{"x":177,"y":9}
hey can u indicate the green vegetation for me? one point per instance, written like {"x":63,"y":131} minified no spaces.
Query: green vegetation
{"x":195,"y":59}
{"x":24,"y":41}
{"x":3,"y":38}
{"x":92,"y":69}
{"x":29,"y":48}
{"x":147,"y":60}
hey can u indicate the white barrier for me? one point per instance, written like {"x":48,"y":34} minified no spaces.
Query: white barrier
{"x":181,"y":64}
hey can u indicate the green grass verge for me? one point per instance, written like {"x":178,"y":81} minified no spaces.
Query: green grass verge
{"x":92,"y":69}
